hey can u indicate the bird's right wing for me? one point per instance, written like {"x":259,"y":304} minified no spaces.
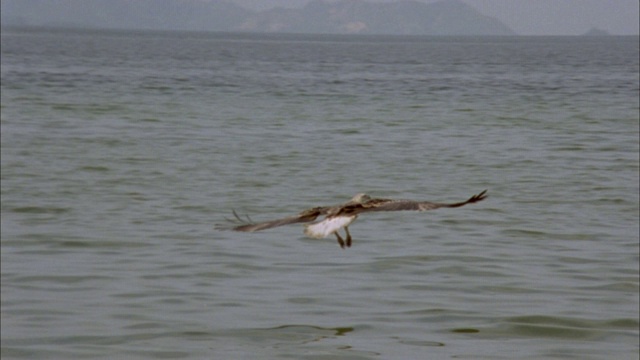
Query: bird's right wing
{"x":239,"y":224}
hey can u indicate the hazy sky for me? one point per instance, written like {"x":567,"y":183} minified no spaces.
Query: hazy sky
{"x":534,"y":17}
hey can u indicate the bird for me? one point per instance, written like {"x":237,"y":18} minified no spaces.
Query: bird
{"x":341,"y":216}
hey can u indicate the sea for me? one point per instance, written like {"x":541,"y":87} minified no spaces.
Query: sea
{"x":124,"y":152}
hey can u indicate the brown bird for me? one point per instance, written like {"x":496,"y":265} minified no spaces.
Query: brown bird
{"x":341,"y":216}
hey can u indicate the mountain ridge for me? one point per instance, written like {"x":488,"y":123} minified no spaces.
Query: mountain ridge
{"x":403,"y":17}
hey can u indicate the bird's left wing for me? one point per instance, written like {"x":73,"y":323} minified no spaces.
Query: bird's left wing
{"x":398,"y":205}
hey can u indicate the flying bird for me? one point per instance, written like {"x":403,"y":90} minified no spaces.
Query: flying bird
{"x":341,"y":216}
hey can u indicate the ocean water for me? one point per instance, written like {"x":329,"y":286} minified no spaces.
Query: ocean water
{"x":122,"y":150}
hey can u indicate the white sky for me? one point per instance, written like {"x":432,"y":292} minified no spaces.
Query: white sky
{"x":533,"y":17}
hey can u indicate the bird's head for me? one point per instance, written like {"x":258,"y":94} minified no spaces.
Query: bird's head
{"x":360,"y":198}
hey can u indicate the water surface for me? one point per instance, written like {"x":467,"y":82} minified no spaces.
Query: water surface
{"x":120,"y":151}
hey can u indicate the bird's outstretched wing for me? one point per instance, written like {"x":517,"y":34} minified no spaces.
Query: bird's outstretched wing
{"x":398,"y":205}
{"x":239,"y":224}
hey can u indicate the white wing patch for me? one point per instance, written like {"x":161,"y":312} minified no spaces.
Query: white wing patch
{"x":328,"y":226}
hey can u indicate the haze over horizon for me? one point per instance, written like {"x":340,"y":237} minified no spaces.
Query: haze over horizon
{"x":524,"y":17}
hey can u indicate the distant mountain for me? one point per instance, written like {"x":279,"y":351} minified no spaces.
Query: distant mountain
{"x":450,"y":17}
{"x":596,"y":32}
{"x":406,"y":17}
